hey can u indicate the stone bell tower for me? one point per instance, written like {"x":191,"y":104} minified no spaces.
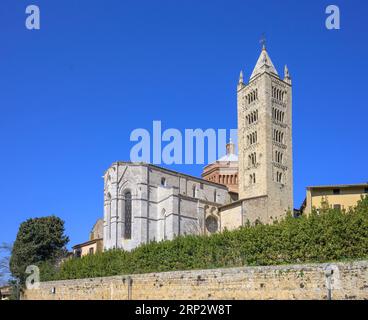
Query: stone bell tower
{"x":265,"y":138}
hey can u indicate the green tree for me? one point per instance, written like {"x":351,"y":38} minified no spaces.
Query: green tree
{"x":38,"y":240}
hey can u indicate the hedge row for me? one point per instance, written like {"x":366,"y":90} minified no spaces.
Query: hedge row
{"x":330,"y":235}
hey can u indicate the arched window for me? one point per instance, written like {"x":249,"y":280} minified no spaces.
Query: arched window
{"x":279,"y":177}
{"x":128,"y":215}
{"x":278,"y":156}
{"x":163,"y":182}
{"x":252,"y":178}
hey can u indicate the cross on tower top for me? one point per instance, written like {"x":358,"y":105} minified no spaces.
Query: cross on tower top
{"x":263,"y":41}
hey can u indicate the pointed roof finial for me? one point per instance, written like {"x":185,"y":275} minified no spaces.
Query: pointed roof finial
{"x":287,"y":77}
{"x":241,"y":78}
{"x":286,"y":72}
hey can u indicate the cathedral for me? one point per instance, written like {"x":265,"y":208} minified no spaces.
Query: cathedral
{"x":144,"y":202}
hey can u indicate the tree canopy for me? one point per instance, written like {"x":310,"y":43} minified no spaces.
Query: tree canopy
{"x":38,"y":240}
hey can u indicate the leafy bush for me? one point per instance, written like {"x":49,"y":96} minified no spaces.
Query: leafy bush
{"x":329,"y":235}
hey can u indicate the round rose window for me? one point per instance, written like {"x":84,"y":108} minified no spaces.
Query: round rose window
{"x":211,"y":224}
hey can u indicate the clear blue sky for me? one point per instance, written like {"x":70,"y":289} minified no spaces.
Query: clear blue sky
{"x":71,"y":93}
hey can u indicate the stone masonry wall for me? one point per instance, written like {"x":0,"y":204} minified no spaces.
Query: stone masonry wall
{"x":347,"y":281}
